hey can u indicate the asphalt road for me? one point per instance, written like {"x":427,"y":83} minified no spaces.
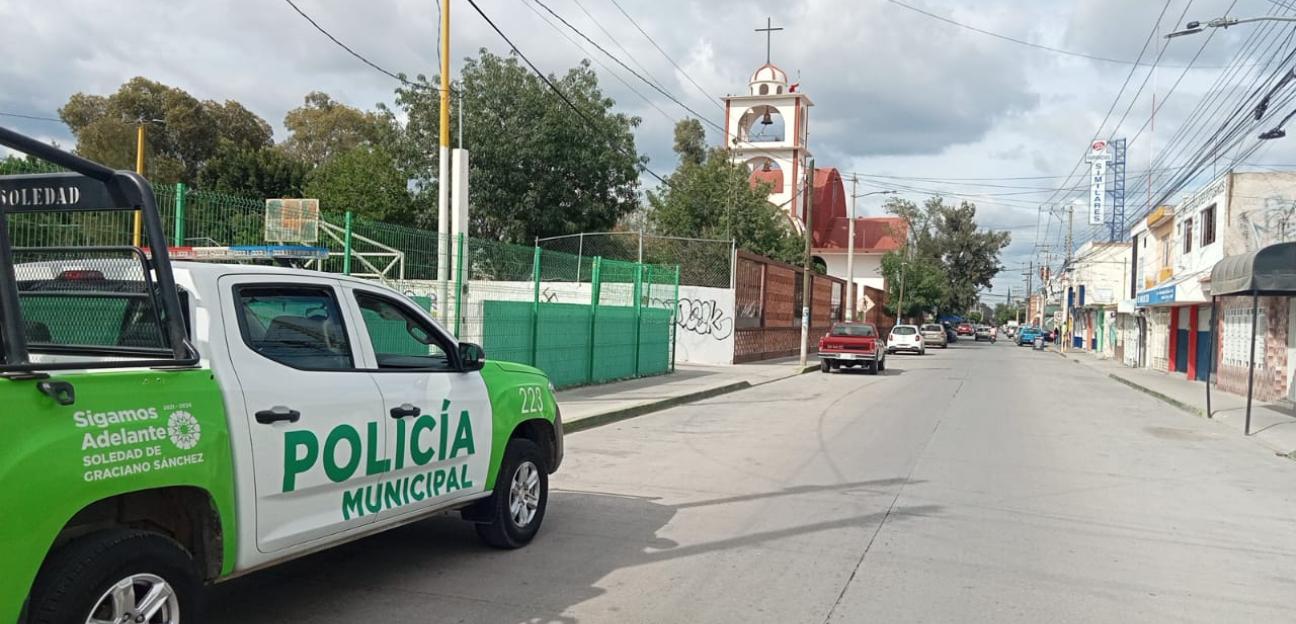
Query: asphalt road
{"x":983,"y":483}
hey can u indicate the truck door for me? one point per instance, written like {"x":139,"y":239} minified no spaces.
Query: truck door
{"x":439,"y":418}
{"x":315,"y":418}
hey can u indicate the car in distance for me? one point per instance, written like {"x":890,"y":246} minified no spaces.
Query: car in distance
{"x":965,"y":329}
{"x":933,"y":335}
{"x":1026,"y":335}
{"x":906,"y":338}
{"x":851,"y":345}
{"x":983,"y":333}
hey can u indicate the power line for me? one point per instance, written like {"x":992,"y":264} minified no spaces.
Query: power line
{"x":634,"y":73}
{"x":677,"y":67}
{"x":1023,"y":42}
{"x":605,"y":66}
{"x":32,"y":117}
{"x":545,"y":79}
{"x":617,"y":42}
{"x":359,"y":56}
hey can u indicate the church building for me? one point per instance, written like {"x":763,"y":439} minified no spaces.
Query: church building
{"x":768,"y":129}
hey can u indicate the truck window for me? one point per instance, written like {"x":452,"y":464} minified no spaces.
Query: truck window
{"x":400,"y":338}
{"x":298,"y":326}
{"x":88,"y":311}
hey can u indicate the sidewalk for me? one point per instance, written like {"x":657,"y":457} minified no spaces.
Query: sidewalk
{"x":592,"y":406}
{"x":1272,"y":424}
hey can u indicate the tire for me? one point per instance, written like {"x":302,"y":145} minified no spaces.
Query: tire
{"x":824,"y":366}
{"x":871,"y":370}
{"x":501,"y":530}
{"x":78,"y":581}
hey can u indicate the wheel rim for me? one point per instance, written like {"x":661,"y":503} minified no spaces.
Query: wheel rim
{"x":524,"y":494}
{"x":137,"y":599}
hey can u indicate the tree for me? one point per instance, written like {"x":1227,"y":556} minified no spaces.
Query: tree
{"x":1004,"y":312}
{"x":690,"y":142}
{"x":262,"y":172}
{"x":182,"y":132}
{"x":537,"y":167}
{"x":324,"y":128}
{"x":364,"y":180}
{"x":921,"y":282}
{"x":949,"y":236}
{"x":715,"y":198}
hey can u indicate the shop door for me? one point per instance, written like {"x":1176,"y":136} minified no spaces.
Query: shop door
{"x":1181,"y":339}
{"x":1204,"y":351}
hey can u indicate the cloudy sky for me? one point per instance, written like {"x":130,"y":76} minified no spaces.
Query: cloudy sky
{"x":897,"y":93}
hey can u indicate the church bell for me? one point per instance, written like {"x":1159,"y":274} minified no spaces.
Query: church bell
{"x":766,"y":121}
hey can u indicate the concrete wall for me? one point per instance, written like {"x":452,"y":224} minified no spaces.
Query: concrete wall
{"x":704,"y":324}
{"x":868,"y":272}
{"x":1261,"y":211}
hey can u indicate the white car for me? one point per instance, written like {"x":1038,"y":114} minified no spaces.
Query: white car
{"x":906,"y":338}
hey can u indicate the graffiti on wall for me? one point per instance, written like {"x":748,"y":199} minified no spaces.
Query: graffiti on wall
{"x":704,"y":317}
{"x":1274,"y":222}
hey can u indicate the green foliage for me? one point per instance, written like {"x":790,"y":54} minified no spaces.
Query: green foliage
{"x":920,"y":284}
{"x":323,"y":128}
{"x":261,"y":172}
{"x":715,"y":198}
{"x":182,"y":133}
{"x":1004,"y":313}
{"x":947,"y":235}
{"x":537,"y":168}
{"x":690,"y":142}
{"x":364,"y":180}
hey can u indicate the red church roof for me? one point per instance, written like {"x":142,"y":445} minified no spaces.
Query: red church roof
{"x":832,"y":225}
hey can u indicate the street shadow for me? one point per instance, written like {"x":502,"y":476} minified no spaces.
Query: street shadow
{"x":437,"y":571}
{"x":889,"y":370}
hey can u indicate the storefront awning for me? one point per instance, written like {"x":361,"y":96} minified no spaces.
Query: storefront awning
{"x":1269,"y":271}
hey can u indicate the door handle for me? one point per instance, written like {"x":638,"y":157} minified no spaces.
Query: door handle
{"x":277,"y":413}
{"x":62,"y":392}
{"x":405,"y":409}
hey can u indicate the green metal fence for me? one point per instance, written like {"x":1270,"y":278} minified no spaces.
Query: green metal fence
{"x":580,"y":318}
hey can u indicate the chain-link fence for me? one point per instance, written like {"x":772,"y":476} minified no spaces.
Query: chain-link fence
{"x":582,"y":317}
{"x":702,"y":262}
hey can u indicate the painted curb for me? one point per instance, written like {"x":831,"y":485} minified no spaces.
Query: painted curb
{"x":1191,"y":409}
{"x":617,"y":415}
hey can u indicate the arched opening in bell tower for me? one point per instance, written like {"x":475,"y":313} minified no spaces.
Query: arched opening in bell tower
{"x":762,"y":169}
{"x":761,"y":124}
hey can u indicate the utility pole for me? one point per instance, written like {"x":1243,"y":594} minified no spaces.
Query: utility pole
{"x":805,"y":275}
{"x":137,"y":224}
{"x":850,"y":250}
{"x":1066,"y":307}
{"x":443,"y":175}
{"x":1030,"y":270}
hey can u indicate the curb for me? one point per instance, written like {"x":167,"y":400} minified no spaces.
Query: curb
{"x":607,"y":418}
{"x":618,"y":415}
{"x":1191,"y":409}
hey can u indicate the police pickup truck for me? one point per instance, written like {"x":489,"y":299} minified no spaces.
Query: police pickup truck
{"x":167,"y":425}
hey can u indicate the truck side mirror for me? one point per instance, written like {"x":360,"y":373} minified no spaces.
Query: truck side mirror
{"x":471,"y":357}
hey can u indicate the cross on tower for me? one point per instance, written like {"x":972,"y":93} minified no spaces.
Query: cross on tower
{"x":769,"y":32}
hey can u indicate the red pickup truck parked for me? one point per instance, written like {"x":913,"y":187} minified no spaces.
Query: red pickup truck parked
{"x":851,"y":345}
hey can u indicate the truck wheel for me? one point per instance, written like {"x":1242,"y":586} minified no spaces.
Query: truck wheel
{"x":824,"y":366}
{"x":118,"y":576}
{"x":517,"y":507}
{"x":881,"y":365}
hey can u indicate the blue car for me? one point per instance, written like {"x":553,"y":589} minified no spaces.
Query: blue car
{"x":1027,"y":335}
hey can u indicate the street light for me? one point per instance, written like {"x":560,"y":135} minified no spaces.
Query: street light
{"x":1192,"y":28}
{"x":850,"y":247}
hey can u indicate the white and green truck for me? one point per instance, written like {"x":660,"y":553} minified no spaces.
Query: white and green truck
{"x":165,"y":425}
